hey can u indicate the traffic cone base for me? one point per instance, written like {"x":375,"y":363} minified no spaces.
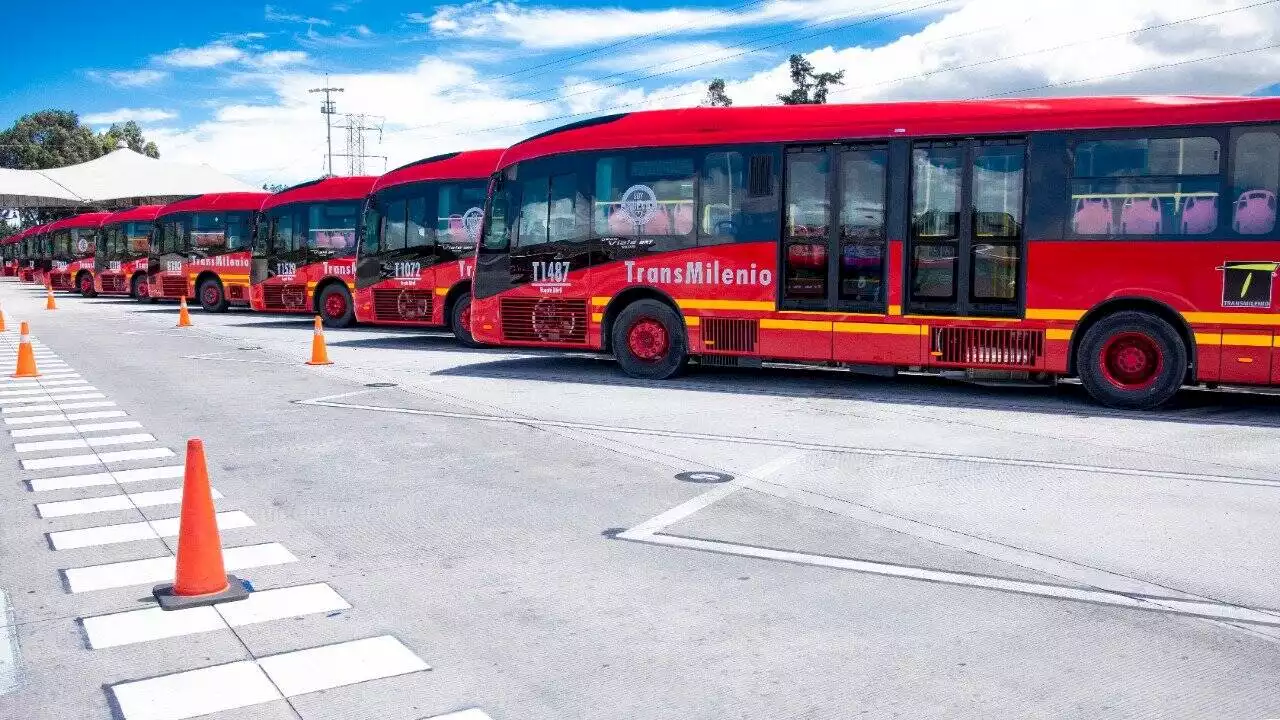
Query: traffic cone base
{"x":169,"y":600}
{"x":200,"y":577}
{"x":319,"y":354}
{"x":2,"y":327}
{"x":49,"y":303}
{"x":184,"y":318}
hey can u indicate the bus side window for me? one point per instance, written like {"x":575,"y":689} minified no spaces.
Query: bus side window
{"x":646,"y":195}
{"x":1255,"y":180}
{"x":416,"y":232}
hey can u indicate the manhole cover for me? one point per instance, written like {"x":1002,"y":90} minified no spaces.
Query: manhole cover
{"x":704,"y":476}
{"x":250,"y":347}
{"x":379,"y":384}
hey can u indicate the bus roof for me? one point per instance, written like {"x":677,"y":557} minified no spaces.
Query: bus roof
{"x":216,"y":201}
{"x":142,"y":213}
{"x":822,"y":123}
{"x":329,"y":188}
{"x":83,"y":220}
{"x":465,"y":165}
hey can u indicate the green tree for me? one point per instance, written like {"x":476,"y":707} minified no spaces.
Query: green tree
{"x":55,"y":138}
{"x":810,"y":87}
{"x":272,"y":187}
{"x":716,"y":96}
{"x":131,"y":134}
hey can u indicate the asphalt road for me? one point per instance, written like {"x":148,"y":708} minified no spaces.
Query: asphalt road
{"x":503,"y":534}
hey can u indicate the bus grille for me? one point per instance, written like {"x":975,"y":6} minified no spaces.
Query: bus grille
{"x":173,"y":287}
{"x":397,"y":304}
{"x":987,"y":346}
{"x":544,"y":320}
{"x":284,"y":297}
{"x":60,"y":280}
{"x":729,"y":335}
{"x":113,"y":283}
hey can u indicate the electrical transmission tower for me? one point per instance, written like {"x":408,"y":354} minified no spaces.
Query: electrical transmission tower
{"x":356,"y":125}
{"x":328,"y":108}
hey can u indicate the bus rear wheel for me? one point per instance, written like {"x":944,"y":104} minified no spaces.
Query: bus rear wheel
{"x":140,"y":289}
{"x":1132,"y":360}
{"x":649,"y":340}
{"x":86,"y":285}
{"x":460,"y":320}
{"x":336,"y":308}
{"x":212,"y":298}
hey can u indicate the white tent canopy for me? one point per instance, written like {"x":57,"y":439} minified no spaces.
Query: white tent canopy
{"x":118,"y":175}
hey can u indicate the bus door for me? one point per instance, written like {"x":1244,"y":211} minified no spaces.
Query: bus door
{"x":834,"y":244}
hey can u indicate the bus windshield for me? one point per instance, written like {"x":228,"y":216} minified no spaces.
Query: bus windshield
{"x":216,"y":232}
{"x":331,"y":228}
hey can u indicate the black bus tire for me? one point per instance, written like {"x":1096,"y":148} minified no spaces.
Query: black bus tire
{"x":460,"y":320}
{"x":335,"y":306}
{"x":211,"y":295}
{"x":1132,"y":360}
{"x":85,"y":291}
{"x":649,"y":340}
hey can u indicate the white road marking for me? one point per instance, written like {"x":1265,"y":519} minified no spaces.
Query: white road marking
{"x":133,"y":531}
{"x":708,"y":498}
{"x":348,"y":663}
{"x":8,"y":647}
{"x":61,"y":406}
{"x":82,"y":385}
{"x":95,"y":459}
{"x":54,"y":395}
{"x":241,"y":684}
{"x":127,"y":501}
{"x":1141,"y":473}
{"x":469,"y":714}
{"x":77,"y":443}
{"x":137,"y":626}
{"x":106,"y":478}
{"x":159,"y":569}
{"x":68,"y":429}
{"x":1215,"y":611}
{"x":195,"y":692}
{"x":46,"y":378}
{"x":97,"y":414}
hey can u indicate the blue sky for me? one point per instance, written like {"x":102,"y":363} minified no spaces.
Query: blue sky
{"x":225,"y":82}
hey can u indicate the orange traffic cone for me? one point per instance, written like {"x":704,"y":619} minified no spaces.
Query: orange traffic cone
{"x":201,"y":578}
{"x":184,"y":318}
{"x":49,"y":304}
{"x":26,"y":356}
{"x":319,"y":354}
{"x":2,"y":327}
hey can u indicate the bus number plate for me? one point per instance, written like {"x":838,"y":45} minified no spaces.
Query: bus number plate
{"x":407,"y":269}
{"x":173,"y":266}
{"x":550,"y":272}
{"x":287,"y":269}
{"x":113,"y":265}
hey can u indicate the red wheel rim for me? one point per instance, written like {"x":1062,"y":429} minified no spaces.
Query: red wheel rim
{"x":86,"y":284}
{"x":211,"y":295}
{"x":647,"y":339}
{"x":1131,"y":360}
{"x":464,"y":318}
{"x":143,"y":289}
{"x":335,"y":306}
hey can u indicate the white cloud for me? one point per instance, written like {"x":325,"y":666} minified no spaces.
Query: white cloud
{"x":273,"y":14}
{"x":142,"y":115}
{"x":362,"y":30}
{"x":205,"y":56}
{"x":276,"y":59}
{"x":551,"y":27}
{"x":129,"y":78}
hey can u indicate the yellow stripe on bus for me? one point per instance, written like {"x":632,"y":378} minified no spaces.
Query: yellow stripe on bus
{"x":880,"y":328}
{"x":1053,"y":314}
{"x":1056,"y":334}
{"x":724,"y":305}
{"x":1247,"y":340}
{"x":442,"y":291}
{"x":1233,"y":318}
{"x":766,"y":323}
{"x":692,"y":320}
{"x":597,"y":317}
{"x":600,"y":301}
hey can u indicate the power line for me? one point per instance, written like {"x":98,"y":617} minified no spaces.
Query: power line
{"x":356,"y":127}
{"x":328,"y":108}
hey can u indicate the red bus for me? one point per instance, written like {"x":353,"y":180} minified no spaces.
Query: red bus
{"x":200,"y":249}
{"x":120,"y":265}
{"x":12,"y":251}
{"x":30,"y":255}
{"x":305,"y":252}
{"x":417,"y":251}
{"x":1131,"y":242}
{"x":74,"y":241}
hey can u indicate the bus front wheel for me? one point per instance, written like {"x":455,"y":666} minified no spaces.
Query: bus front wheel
{"x":460,"y":320}
{"x":336,"y":308}
{"x":1132,"y":360}
{"x":649,"y":340}
{"x":86,"y":285}
{"x":212,"y":298}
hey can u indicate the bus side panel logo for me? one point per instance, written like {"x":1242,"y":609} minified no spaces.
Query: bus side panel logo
{"x":639,"y":204}
{"x":1247,"y":283}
